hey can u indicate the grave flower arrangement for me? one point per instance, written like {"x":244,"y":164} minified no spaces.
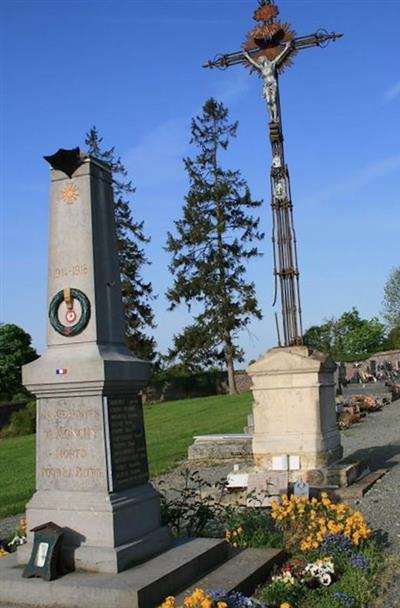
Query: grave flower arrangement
{"x":305,"y":523}
{"x":18,"y":538}
{"x":367,"y":403}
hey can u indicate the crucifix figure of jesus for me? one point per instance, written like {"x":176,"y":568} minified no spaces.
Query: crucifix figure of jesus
{"x":268,"y":71}
{"x":269,"y":48}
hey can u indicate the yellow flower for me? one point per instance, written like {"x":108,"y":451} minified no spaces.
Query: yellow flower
{"x":222,"y":605}
{"x":23,"y":525}
{"x":285,"y":605}
{"x":198,"y":595}
{"x":169,"y":602}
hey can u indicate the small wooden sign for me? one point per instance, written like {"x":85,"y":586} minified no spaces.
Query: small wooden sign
{"x":45,"y":560}
{"x":302,"y":489}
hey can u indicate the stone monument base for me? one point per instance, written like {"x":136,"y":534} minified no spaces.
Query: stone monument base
{"x":103,"y":532}
{"x":294,"y":413}
{"x":204,"y":562}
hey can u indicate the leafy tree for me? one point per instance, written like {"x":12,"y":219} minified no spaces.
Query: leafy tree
{"x":15,"y":351}
{"x":348,"y":338}
{"x":196,"y":348}
{"x":137,"y":294}
{"x":393,"y":339}
{"x":391,"y":300}
{"x":213,"y":243}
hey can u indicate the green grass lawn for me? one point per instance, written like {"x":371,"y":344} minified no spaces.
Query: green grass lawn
{"x":17,"y":473}
{"x":169,"y":431}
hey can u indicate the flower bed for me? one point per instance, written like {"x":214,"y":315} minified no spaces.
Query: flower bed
{"x":332,"y":558}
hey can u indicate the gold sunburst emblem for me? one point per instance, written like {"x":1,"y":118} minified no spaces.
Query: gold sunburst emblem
{"x":70,"y":194}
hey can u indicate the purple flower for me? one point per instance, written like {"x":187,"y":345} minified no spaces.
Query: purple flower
{"x":343,"y":598}
{"x":337,"y":544}
{"x":234,"y":599}
{"x":359,"y":561}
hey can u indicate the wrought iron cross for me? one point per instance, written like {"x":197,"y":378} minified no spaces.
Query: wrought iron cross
{"x":269,"y":48}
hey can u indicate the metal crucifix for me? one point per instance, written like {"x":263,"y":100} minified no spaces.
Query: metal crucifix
{"x":269,"y":48}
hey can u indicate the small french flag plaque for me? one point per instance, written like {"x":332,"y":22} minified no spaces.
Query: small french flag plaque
{"x":60,"y":371}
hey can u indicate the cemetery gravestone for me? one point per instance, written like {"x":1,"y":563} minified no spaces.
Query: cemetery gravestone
{"x":92,"y":473}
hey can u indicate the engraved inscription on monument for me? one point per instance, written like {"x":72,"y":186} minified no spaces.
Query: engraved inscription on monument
{"x":126,"y":442}
{"x":71,"y":454}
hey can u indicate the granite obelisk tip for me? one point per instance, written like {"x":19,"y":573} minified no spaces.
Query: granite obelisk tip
{"x":66,"y":161}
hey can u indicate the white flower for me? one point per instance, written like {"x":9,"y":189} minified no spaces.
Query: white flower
{"x":17,"y":540}
{"x":285,"y":577}
{"x":325,"y":579}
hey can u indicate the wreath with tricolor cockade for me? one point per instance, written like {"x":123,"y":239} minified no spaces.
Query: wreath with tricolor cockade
{"x":79,"y":326}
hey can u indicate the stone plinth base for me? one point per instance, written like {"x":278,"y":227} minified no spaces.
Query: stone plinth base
{"x":294,"y":413}
{"x":103,"y":532}
{"x":216,"y":448}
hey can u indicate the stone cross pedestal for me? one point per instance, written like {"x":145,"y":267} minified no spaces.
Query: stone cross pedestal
{"x":91,"y":460}
{"x":294,"y":413}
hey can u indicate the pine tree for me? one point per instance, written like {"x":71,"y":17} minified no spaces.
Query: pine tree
{"x":213,"y":242}
{"x":391,"y":301}
{"x":137,"y":294}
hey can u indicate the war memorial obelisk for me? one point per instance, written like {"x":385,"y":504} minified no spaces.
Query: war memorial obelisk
{"x":91,"y":460}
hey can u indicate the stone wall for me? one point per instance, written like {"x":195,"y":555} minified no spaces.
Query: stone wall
{"x":391,"y":356}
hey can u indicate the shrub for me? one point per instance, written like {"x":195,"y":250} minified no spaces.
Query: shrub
{"x":193,"y":510}
{"x":22,"y":422}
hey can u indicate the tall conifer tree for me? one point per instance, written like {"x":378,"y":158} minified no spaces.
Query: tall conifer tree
{"x":214,"y":240}
{"x":137,"y":294}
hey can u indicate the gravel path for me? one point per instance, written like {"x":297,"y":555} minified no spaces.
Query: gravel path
{"x":376,"y":440}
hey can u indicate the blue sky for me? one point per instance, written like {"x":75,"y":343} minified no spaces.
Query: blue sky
{"x":133,"y":69}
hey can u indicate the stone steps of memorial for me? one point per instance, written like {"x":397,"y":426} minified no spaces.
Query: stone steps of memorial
{"x":143,"y":586}
{"x":243,"y":572}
